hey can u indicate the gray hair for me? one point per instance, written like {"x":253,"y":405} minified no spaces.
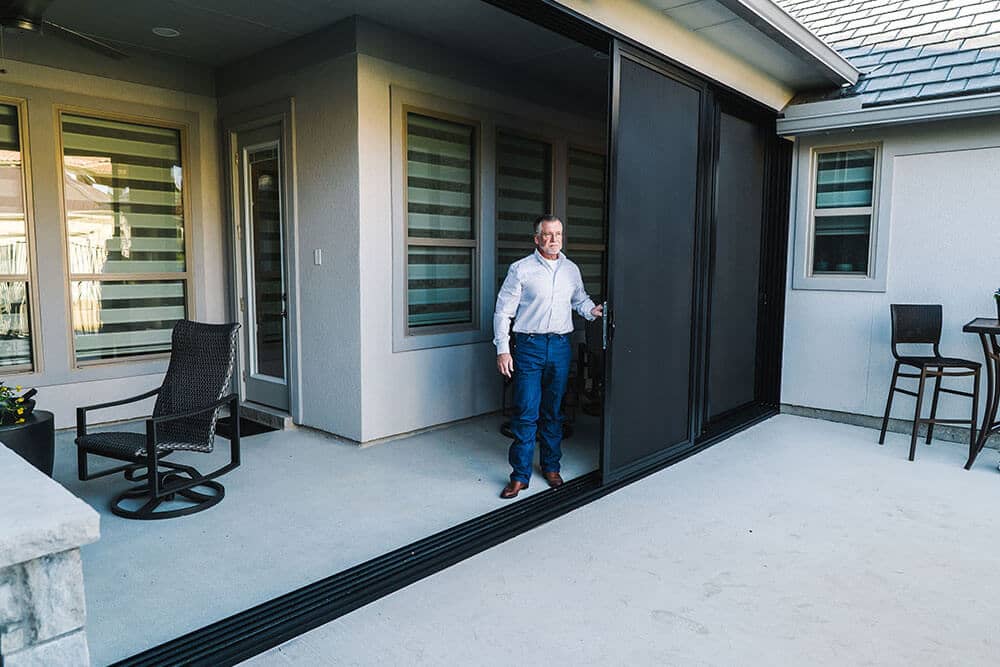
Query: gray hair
{"x":548,"y":217}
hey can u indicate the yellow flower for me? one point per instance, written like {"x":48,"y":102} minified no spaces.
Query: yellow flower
{"x":20,"y":399}
{"x":18,"y":387}
{"x":21,"y":420}
{"x":20,"y":411}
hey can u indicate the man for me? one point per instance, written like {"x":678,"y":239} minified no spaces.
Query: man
{"x":540,"y":293}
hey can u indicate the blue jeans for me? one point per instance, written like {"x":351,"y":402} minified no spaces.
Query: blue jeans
{"x":541,"y":367}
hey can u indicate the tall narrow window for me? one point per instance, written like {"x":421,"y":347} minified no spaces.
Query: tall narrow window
{"x":524,"y":192}
{"x":123,"y":186}
{"x":585,"y":221}
{"x":15,"y":318}
{"x":843,"y":211}
{"x":442,"y":244}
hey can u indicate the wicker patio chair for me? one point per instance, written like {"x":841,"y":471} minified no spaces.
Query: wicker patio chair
{"x":194,"y":390}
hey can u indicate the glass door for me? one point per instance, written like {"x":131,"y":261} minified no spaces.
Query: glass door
{"x":263,"y":302}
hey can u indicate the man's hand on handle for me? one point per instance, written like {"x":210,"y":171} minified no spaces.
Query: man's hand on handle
{"x":597,"y":311}
{"x":505,"y":364}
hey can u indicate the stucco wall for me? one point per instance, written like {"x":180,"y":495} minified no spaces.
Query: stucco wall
{"x":61,"y":385}
{"x":326,"y":182}
{"x":939,"y":197}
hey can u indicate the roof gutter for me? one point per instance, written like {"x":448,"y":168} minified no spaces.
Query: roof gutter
{"x":776,"y":23}
{"x":848,"y":113}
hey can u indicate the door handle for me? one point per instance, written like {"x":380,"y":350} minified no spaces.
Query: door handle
{"x":604,"y":326}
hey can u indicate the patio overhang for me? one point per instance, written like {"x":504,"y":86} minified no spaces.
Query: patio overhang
{"x":848,"y":113}
{"x":753,"y":46}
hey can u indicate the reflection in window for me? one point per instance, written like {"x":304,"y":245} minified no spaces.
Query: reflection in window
{"x":441,"y":209}
{"x":123,"y":186}
{"x":15,"y":320}
{"x":842,"y":211}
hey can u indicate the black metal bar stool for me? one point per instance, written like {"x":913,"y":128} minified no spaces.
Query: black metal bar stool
{"x":919,"y":324}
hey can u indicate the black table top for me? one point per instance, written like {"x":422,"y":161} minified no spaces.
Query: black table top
{"x":984,"y":325}
{"x":36,"y":416}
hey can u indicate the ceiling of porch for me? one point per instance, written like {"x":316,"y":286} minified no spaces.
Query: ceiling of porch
{"x":224,"y":31}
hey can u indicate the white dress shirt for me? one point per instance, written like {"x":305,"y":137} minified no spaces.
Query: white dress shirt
{"x":541,"y":296}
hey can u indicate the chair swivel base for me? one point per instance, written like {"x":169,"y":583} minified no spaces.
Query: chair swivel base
{"x":148,"y":510}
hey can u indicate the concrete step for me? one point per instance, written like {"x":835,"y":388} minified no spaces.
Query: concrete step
{"x":266,"y":415}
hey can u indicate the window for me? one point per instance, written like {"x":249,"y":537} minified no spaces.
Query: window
{"x":442,"y":211}
{"x":843,"y":212}
{"x":524,"y":192}
{"x":585,"y":224}
{"x":15,"y":317}
{"x":123,"y":190}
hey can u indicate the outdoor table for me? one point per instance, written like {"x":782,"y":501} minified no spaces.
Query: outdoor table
{"x":988,"y":330}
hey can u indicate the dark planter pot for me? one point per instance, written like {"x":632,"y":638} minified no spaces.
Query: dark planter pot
{"x":997,"y":301}
{"x":34,"y":440}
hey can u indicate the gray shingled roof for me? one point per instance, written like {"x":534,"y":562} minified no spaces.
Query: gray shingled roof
{"x":910,"y":49}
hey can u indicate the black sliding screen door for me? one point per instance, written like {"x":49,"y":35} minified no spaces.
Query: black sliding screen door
{"x":698,"y":215}
{"x":656,"y":154}
{"x":735,"y":281}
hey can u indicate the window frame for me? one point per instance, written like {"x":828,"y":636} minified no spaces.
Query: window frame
{"x":815,"y":211}
{"x":475,"y":243}
{"x":34,"y":321}
{"x":185,"y":277}
{"x":804,"y":212}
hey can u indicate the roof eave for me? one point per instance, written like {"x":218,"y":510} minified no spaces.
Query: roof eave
{"x":849,"y":113}
{"x":772,"y":20}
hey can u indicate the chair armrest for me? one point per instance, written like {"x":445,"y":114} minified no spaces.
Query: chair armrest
{"x":123,"y":401}
{"x":81,"y":412}
{"x":196,"y":411}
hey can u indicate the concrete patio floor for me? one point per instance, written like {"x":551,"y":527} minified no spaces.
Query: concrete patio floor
{"x":797,"y":542}
{"x":302,"y":506}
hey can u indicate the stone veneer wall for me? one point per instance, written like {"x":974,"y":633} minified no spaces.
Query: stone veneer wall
{"x":42,"y":608}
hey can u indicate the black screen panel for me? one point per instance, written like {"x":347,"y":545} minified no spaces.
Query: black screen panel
{"x":735,"y":281}
{"x":653,"y":229}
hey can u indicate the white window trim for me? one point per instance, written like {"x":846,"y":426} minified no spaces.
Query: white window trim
{"x":805,"y":212}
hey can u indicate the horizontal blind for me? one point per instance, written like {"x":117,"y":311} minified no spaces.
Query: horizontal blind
{"x":117,"y":319}
{"x":439,"y":178}
{"x":15,"y":320}
{"x":441,"y":209}
{"x":123,"y":188}
{"x":524,"y":186}
{"x":585,"y":197}
{"x":524,"y":192}
{"x":439,"y":285}
{"x":844,"y":178}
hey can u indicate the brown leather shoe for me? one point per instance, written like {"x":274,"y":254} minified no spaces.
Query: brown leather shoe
{"x":553,"y":478}
{"x":512,"y":489}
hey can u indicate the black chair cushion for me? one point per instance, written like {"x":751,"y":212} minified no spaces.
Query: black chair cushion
{"x":127,"y":446}
{"x":947,"y":362}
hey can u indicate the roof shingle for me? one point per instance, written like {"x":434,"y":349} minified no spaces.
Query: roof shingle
{"x":910,"y":49}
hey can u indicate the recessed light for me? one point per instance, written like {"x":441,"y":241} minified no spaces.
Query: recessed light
{"x":164,"y":31}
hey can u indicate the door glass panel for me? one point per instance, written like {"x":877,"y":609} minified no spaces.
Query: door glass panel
{"x":267,"y":261}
